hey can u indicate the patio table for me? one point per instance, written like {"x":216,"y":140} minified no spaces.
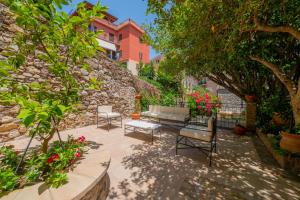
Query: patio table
{"x":142,"y":125}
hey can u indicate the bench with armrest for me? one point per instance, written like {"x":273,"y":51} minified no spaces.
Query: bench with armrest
{"x":203,"y":134}
{"x":165,"y":113}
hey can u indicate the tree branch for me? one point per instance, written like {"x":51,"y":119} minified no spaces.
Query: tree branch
{"x":278,"y":29}
{"x":228,"y":87}
{"x":288,"y":83}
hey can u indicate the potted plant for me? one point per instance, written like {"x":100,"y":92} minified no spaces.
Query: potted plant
{"x":250,"y":98}
{"x":136,"y":115}
{"x":239,"y":129}
{"x":290,"y":140}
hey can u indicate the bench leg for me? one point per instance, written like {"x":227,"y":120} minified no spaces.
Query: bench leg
{"x":215,"y":144}
{"x":108,"y":124}
{"x":97,"y":121}
{"x":176,"y":144}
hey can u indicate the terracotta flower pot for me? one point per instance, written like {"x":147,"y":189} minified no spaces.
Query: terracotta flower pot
{"x":135,"y":116}
{"x":138,"y":96}
{"x":290,"y":142}
{"x":250,"y":98}
{"x":239,"y":130}
{"x":278,"y":120}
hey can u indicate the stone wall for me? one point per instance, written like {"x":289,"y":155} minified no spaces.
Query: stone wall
{"x":118,"y":88}
{"x":100,"y":190}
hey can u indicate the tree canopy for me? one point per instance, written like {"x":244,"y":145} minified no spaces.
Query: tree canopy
{"x":235,"y":43}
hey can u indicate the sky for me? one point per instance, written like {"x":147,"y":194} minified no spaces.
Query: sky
{"x":123,"y":9}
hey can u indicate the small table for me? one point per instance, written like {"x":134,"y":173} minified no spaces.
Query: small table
{"x":145,"y":126}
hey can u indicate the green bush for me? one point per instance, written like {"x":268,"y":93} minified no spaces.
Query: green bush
{"x":148,"y":100}
{"x":166,"y":99}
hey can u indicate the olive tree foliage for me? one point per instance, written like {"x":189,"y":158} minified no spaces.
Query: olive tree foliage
{"x":247,"y":46}
{"x":63,"y":44}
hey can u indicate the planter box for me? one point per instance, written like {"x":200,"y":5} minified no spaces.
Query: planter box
{"x":87,"y":181}
{"x":285,"y":161}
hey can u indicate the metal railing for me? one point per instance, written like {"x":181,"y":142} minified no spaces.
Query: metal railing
{"x":228,"y":115}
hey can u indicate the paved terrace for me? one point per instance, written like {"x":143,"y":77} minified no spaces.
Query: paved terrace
{"x":139,"y":170}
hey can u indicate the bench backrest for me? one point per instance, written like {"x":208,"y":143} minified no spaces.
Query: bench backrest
{"x":106,"y":109}
{"x":166,"y":109}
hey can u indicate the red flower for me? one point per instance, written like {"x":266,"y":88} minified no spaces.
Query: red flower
{"x":207,"y":96}
{"x":53,"y":158}
{"x":81,"y":138}
{"x":17,"y":152}
{"x":77,"y":154}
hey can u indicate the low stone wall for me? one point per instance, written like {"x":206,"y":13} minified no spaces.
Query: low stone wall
{"x":289,"y":163}
{"x":99,"y":191}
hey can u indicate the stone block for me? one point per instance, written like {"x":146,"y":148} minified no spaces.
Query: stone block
{"x":6,"y":120}
{"x":8,"y":127}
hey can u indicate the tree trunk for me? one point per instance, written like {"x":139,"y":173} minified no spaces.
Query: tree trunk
{"x":45,"y":142}
{"x":295,"y":102}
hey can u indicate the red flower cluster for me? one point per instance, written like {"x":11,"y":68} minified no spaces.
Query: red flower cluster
{"x":53,"y":158}
{"x":81,"y":138}
{"x":205,"y":103}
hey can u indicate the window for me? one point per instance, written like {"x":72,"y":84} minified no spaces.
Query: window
{"x":140,"y":55}
{"x":120,"y":37}
{"x":111,"y":37}
{"x":92,"y":28}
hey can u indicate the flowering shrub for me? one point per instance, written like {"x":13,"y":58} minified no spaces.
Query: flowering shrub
{"x":203,"y":102}
{"x":50,"y":167}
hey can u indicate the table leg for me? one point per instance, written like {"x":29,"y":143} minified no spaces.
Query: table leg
{"x":152,"y":136}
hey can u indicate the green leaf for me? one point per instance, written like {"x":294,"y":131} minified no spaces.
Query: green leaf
{"x":29,"y":120}
{"x":24,"y":113}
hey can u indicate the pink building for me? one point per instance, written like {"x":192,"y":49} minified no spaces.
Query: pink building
{"x":122,"y":42}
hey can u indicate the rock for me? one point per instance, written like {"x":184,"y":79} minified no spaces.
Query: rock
{"x":84,"y":93}
{"x":27,"y":74}
{"x":8,"y":127}
{"x":21,"y":77}
{"x":72,"y":116}
{"x":6,"y":120}
{"x":84,"y":72}
{"x":14,"y":110}
{"x":22,"y":129}
{"x":2,"y":108}
{"x":13,"y":134}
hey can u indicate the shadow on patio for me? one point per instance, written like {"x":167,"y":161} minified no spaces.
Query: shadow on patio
{"x":237,"y":172}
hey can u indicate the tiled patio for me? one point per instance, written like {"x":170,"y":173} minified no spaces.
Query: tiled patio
{"x":139,"y":170}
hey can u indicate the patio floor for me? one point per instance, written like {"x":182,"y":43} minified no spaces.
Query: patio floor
{"x":139,"y":170}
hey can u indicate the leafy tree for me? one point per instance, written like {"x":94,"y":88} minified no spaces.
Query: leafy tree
{"x":221,"y":39}
{"x":63,"y":44}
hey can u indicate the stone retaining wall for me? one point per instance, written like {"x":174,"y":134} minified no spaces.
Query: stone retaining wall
{"x":118,"y":88}
{"x":100,"y":190}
